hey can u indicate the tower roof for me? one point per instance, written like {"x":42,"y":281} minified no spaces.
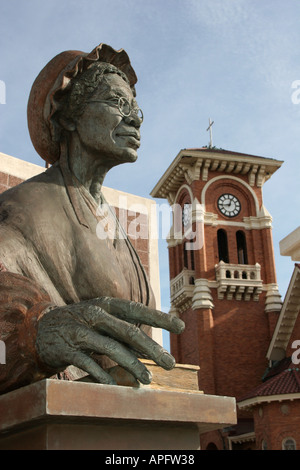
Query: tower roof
{"x":194,"y":163}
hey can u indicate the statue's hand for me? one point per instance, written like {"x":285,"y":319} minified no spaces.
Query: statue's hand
{"x":68,"y":335}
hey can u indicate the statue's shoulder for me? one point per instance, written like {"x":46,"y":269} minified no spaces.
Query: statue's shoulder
{"x":32,"y":196}
{"x":35,"y":188}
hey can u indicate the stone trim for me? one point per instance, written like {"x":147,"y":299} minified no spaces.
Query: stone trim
{"x":241,"y":438}
{"x":290,"y":245}
{"x":250,"y":402}
{"x":202,"y":297}
{"x":273,"y":298}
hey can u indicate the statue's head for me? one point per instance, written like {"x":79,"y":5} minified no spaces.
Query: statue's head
{"x":79,"y":91}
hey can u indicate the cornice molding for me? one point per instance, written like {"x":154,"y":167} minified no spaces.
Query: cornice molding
{"x":194,"y":164}
{"x":250,"y":402}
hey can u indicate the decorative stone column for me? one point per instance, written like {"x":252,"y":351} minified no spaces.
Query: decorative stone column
{"x":202,"y":296}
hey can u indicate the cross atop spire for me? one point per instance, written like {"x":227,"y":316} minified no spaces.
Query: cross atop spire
{"x":210,"y":132}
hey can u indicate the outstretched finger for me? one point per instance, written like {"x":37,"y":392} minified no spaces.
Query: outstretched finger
{"x":84,"y":362}
{"x":135,"y":312}
{"x":91,"y":341}
{"x":128,"y":334}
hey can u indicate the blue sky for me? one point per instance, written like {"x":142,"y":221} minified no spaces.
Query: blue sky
{"x":232,"y":60}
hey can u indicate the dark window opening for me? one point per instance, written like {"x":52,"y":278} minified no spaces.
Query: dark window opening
{"x":192,"y":260}
{"x":289,"y":444}
{"x":185,"y":257}
{"x":188,"y":258}
{"x":211,"y":446}
{"x":241,"y":247}
{"x":223,"y":246}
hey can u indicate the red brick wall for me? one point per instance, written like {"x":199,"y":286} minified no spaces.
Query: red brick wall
{"x":276,"y":421}
{"x":195,"y":346}
{"x":137,"y":228}
{"x":211,"y":439}
{"x":7,"y":181}
{"x":241,"y":340}
{"x":231,"y":341}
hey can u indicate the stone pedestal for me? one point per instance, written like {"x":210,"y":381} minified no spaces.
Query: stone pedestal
{"x":62,"y":415}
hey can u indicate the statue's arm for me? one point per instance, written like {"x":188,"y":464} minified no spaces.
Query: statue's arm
{"x":42,"y":339}
{"x":22,"y":304}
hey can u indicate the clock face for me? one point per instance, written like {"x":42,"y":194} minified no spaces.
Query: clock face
{"x":186,"y":214}
{"x":229,"y":205}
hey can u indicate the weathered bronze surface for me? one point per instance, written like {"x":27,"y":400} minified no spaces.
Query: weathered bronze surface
{"x":67,"y":297}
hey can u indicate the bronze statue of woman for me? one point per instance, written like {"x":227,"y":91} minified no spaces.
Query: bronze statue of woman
{"x":68,"y":297}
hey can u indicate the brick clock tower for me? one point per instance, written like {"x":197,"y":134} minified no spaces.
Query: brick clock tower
{"x":222,"y":271}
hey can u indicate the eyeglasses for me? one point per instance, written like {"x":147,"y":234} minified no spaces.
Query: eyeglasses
{"x":124,"y":107}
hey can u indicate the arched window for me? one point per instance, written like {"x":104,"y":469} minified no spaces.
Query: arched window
{"x":289,"y":444}
{"x":211,"y":446}
{"x":223,"y":246}
{"x":264,"y":445}
{"x":241,"y":247}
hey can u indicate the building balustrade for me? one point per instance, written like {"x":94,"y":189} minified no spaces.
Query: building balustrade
{"x":233,"y":281}
{"x":182,"y":288}
{"x":239,"y":281}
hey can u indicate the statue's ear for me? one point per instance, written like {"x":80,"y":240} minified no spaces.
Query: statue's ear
{"x":67,"y":124}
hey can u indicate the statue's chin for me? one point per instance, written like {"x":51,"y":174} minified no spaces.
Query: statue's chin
{"x":129,"y":155}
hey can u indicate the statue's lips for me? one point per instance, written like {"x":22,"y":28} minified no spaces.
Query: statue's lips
{"x":132,"y":137}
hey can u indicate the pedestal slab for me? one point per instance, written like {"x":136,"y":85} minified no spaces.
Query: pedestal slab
{"x":55,"y":414}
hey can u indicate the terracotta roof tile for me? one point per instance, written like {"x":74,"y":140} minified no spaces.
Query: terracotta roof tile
{"x":286,"y":381}
{"x":277,"y":368}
